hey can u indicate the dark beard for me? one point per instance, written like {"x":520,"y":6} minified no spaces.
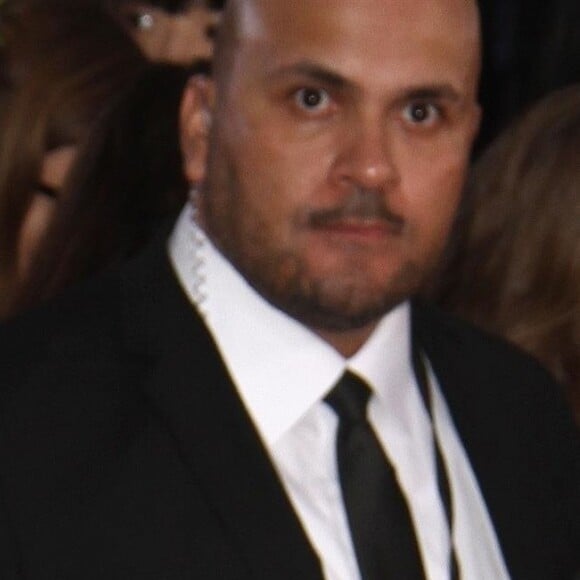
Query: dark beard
{"x":316,"y":309}
{"x":282,"y":279}
{"x":319,"y":304}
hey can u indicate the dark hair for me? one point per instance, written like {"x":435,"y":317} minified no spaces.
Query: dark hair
{"x":514,"y":264}
{"x":175,"y":6}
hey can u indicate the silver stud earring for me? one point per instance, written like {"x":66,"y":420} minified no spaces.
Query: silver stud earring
{"x":144,"y":21}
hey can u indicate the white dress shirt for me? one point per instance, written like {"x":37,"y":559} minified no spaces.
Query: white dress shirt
{"x":283,"y":394}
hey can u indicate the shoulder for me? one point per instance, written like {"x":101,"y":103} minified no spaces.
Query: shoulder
{"x":519,"y":435}
{"x":485,"y":372}
{"x":62,"y":372}
{"x":81,"y":330}
{"x":497,"y":382}
{"x":87,"y":351}
{"x":458,"y":344}
{"x":82,"y":320}
{"x":69,"y":405}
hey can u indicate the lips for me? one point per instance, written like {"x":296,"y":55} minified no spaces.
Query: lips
{"x":359,"y":229}
{"x":360,"y":220}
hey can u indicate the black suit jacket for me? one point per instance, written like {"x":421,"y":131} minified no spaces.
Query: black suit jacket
{"x":125,"y":452}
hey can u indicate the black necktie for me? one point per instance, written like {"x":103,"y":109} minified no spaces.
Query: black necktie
{"x":378,"y":516}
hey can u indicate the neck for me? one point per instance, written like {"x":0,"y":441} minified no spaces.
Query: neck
{"x":346,"y":342}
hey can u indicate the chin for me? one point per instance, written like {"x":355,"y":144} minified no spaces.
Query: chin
{"x":347,"y":303}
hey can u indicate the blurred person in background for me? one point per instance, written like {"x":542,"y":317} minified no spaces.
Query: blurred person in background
{"x":64,"y":71}
{"x":179,"y":32}
{"x":514,"y":263}
{"x":101,"y":168}
{"x":123,"y":185}
{"x":171,"y":31}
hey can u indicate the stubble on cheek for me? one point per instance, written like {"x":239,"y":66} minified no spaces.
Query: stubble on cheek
{"x":342,"y":299}
{"x":270,"y":246}
{"x":333,"y":297}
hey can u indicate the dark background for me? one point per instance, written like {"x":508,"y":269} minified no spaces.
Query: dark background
{"x":530,"y":48}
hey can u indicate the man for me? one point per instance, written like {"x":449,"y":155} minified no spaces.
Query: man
{"x":180,"y":419}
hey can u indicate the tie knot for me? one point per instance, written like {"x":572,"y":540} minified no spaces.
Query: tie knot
{"x":349,"y":398}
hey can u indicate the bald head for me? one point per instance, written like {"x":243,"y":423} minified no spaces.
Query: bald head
{"x":245,"y":20}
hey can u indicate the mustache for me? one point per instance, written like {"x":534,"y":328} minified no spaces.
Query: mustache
{"x":361,"y":205}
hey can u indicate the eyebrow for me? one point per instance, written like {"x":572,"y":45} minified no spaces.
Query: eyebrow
{"x":314,"y":72}
{"x":435,"y":91}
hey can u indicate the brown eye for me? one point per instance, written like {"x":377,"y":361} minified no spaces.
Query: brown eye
{"x":421,"y":113}
{"x":312,"y":99}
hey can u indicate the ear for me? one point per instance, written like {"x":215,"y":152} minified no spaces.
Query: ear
{"x":195,"y":118}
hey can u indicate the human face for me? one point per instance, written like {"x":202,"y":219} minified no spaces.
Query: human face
{"x":177,"y":38}
{"x":55,"y":168}
{"x":339,"y":143}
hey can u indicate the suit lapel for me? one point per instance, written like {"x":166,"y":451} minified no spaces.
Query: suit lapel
{"x":502,"y":446}
{"x":192,"y":393}
{"x":471,"y":404}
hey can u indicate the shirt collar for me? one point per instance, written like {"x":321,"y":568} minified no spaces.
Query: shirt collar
{"x":280,"y":368}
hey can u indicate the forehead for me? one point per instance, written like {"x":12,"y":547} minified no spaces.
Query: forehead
{"x":380,"y":40}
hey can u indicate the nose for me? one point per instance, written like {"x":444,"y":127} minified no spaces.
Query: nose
{"x":366,"y":157}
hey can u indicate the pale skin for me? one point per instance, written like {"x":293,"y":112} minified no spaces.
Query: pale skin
{"x":340,"y":138}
